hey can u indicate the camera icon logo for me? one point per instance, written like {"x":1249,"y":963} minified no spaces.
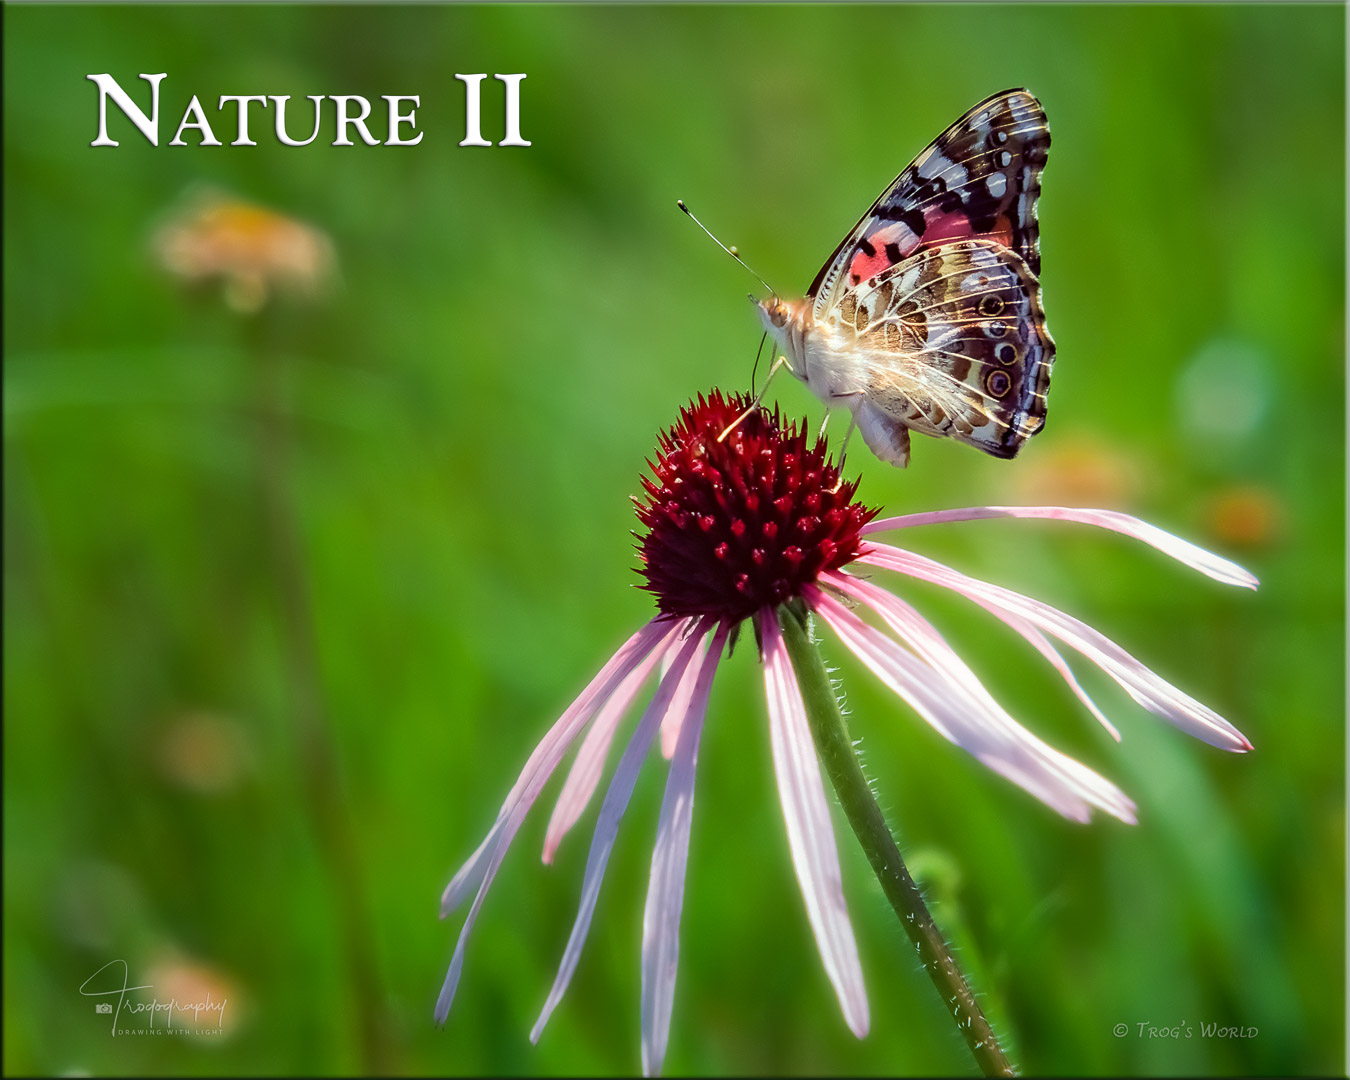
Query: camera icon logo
{"x":103,"y":1007}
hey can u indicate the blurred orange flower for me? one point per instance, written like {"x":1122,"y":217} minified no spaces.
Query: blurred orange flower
{"x":204,"y":753}
{"x":255,"y":252}
{"x":1079,"y":470}
{"x":1246,"y":515}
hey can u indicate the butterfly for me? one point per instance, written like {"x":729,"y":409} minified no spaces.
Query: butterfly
{"x":928,"y":315}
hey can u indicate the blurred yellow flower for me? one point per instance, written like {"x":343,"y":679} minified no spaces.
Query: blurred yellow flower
{"x":255,"y":252}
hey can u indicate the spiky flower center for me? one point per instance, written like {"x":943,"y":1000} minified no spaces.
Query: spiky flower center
{"x":747,"y":521}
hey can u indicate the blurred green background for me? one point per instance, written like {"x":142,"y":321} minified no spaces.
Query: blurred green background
{"x":290,"y":596}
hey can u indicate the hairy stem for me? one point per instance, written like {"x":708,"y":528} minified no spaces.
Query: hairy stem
{"x":830,"y":733}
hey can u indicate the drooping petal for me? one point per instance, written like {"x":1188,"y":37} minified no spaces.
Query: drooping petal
{"x":611,"y":813}
{"x":810,"y":834}
{"x":1184,"y":551}
{"x":901,"y":612}
{"x":1043,"y":646}
{"x":1146,"y":687}
{"x":590,"y":760}
{"x":482,"y":865}
{"x":468,"y":876}
{"x":665,"y":893}
{"x":554,"y":744}
{"x":679,"y":709}
{"x":947,"y":694}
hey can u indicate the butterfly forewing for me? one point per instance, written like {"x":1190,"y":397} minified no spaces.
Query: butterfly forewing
{"x":954,"y":343}
{"x":979,"y":179}
{"x":928,"y":314}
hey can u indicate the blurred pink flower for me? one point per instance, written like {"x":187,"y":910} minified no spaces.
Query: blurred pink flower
{"x":736,"y":527}
{"x":193,"y":996}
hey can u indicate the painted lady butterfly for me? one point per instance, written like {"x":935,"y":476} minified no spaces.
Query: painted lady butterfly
{"x":928,"y":315}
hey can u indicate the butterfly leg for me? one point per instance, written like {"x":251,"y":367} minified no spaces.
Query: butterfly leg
{"x":820,"y":432}
{"x":852,"y":424}
{"x":843,"y":447}
{"x":778,"y":365}
{"x":755,"y":370}
{"x":843,"y":450}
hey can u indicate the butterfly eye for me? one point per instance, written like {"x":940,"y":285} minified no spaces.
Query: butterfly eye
{"x":1005,"y":354}
{"x":991,"y":305}
{"x":998,"y":383}
{"x":996,"y":329}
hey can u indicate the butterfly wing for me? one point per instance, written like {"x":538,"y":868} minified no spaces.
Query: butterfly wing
{"x":953,"y":343}
{"x":979,"y":179}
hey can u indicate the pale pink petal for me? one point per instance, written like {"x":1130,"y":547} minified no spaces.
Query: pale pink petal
{"x":1043,"y":646}
{"x":470,"y":874}
{"x":665,"y":893}
{"x":555,"y":743}
{"x":948,"y":696}
{"x":611,"y":813}
{"x":1149,"y":689}
{"x":884,"y":601}
{"x":679,"y":708}
{"x":482,"y":866}
{"x":590,"y":761}
{"x":810,"y":834}
{"x":1197,"y":558}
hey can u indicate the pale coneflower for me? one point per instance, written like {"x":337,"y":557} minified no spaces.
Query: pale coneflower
{"x":757,"y":526}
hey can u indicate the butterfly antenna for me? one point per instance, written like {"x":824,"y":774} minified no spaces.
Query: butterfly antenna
{"x":729,"y":250}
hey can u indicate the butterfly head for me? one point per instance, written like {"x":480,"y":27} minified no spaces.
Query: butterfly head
{"x":775,"y":314}
{"x":785,"y":323}
{"x":780,"y":317}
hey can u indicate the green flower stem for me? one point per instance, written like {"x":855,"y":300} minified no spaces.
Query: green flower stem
{"x":316,"y":747}
{"x":830,"y":733}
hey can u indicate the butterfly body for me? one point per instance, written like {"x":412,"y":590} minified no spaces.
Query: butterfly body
{"x":826,"y":358}
{"x":928,"y":316}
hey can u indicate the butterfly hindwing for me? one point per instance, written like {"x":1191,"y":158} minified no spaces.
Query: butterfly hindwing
{"x":979,"y":179}
{"x":954,"y":343}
